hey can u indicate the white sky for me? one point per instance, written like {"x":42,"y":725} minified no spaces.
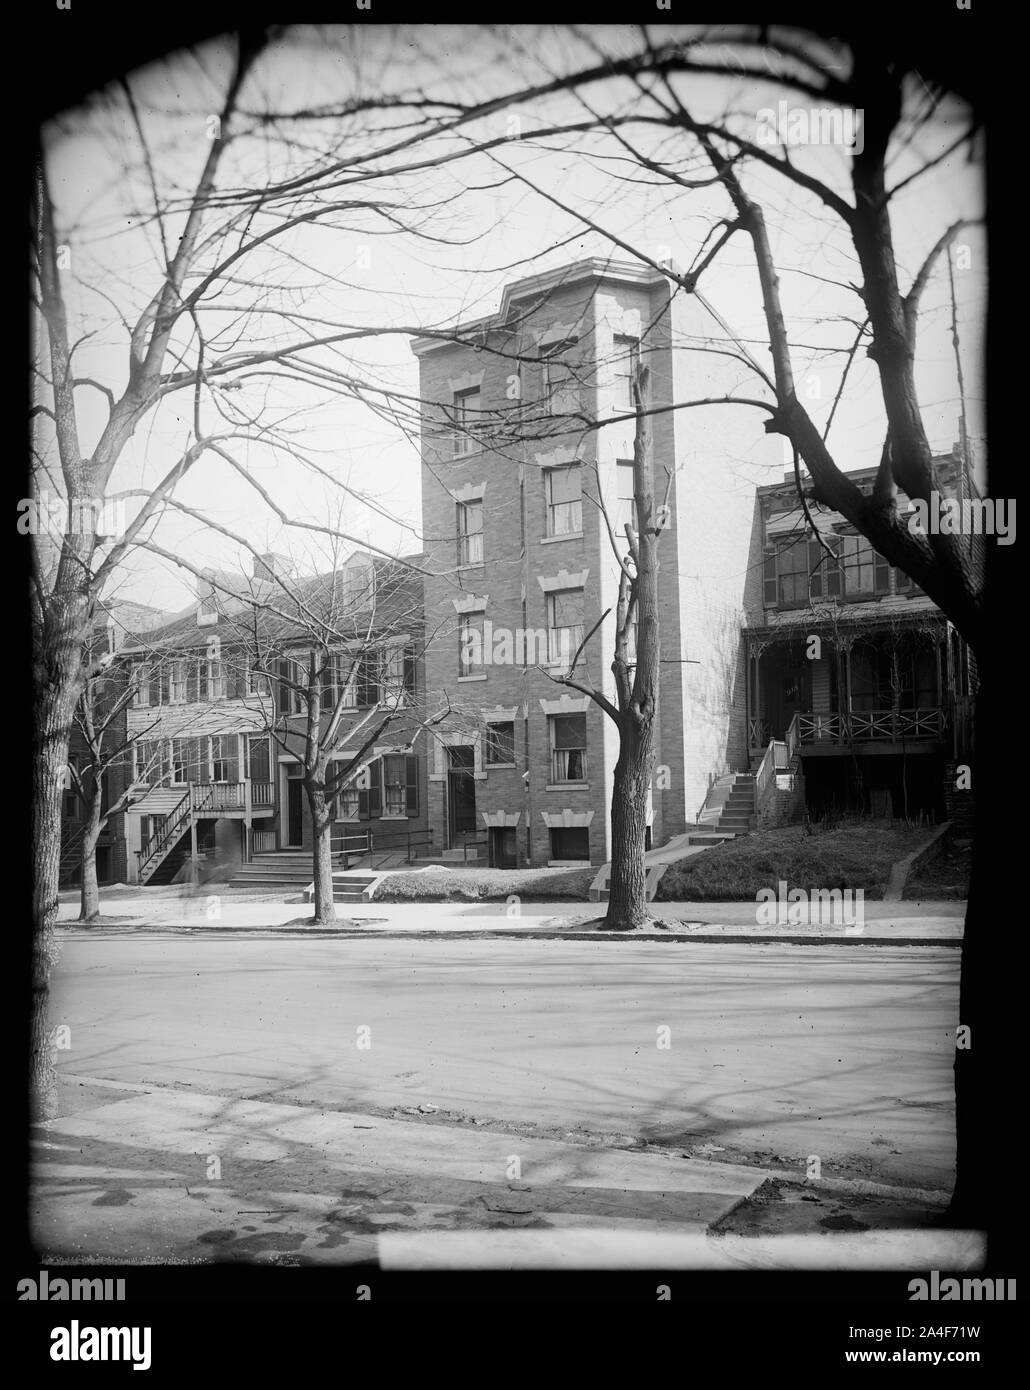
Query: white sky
{"x":503,"y":232}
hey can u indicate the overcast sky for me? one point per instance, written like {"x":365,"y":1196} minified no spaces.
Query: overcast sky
{"x":487,"y":229}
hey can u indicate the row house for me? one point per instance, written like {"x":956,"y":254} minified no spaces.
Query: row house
{"x":851,"y":667}
{"x":219,"y":718}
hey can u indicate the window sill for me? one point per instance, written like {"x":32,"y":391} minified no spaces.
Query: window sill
{"x":569,"y":536}
{"x":397,"y":817}
{"x":483,"y":677}
{"x":567,"y":787}
{"x":501,"y":767}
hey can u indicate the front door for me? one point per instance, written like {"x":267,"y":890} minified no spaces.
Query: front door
{"x":461,"y":794}
{"x":295,"y":811}
{"x":792,"y":694}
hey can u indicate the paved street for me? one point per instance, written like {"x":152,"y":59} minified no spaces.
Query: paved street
{"x":775,"y":1052}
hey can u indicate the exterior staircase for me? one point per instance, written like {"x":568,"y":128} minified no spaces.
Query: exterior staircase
{"x":294,"y":870}
{"x":729,"y":810}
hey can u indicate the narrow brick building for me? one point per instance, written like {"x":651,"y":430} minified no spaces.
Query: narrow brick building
{"x":525,"y":419}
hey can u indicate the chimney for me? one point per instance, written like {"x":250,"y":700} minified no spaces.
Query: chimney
{"x":269,"y":565}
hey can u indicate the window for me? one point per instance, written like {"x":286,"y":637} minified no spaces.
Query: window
{"x":568,"y":747}
{"x":257,"y":681}
{"x":178,"y":682}
{"x":368,"y":688}
{"x":500,"y":745}
{"x":561,"y":390}
{"x":141,"y":686}
{"x":159,"y":686}
{"x":216,"y":680}
{"x":150,"y":761}
{"x":564,"y":625}
{"x":798,"y":569}
{"x":470,"y":533}
{"x":626,"y":511}
{"x":348,"y":803}
{"x":627,"y":362}
{"x":467,"y":413}
{"x":398,"y":676}
{"x":865,"y":572}
{"x":293,"y":680}
{"x":564,"y":500}
{"x":180,"y":761}
{"x":470,"y":645}
{"x":570,"y":842}
{"x":197,"y":680}
{"x":400,"y":784}
{"x":225,"y":764}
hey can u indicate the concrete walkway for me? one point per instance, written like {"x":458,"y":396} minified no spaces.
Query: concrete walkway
{"x":893,"y":922}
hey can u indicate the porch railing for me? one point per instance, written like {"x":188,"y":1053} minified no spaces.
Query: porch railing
{"x":880,"y":725}
{"x":264,"y":841}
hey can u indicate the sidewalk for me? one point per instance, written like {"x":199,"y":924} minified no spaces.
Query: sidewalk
{"x":885,"y":922}
{"x":139,"y":1173}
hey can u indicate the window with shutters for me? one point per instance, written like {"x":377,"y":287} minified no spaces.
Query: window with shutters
{"x":348,"y":804}
{"x":180,"y":761}
{"x":400,"y":785}
{"x":141,"y":686}
{"x":564,"y":500}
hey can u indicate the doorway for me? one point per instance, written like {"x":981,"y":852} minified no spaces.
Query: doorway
{"x":504,"y":853}
{"x":294,"y":811}
{"x":461,"y":793}
{"x":789,"y":691}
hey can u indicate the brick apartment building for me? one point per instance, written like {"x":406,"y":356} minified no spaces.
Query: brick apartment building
{"x":217,"y":721}
{"x":515,"y":426}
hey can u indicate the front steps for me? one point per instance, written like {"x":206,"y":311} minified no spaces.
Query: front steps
{"x":729,"y":810}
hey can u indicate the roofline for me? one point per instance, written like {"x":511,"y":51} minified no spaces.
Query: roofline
{"x":869,"y":471}
{"x":593,"y":268}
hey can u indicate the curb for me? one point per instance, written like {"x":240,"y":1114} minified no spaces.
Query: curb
{"x":522,"y":933}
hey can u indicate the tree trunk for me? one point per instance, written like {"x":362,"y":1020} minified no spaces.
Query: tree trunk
{"x":89,"y":893}
{"x":627,"y":885}
{"x":322,"y":826}
{"x":53,"y":721}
